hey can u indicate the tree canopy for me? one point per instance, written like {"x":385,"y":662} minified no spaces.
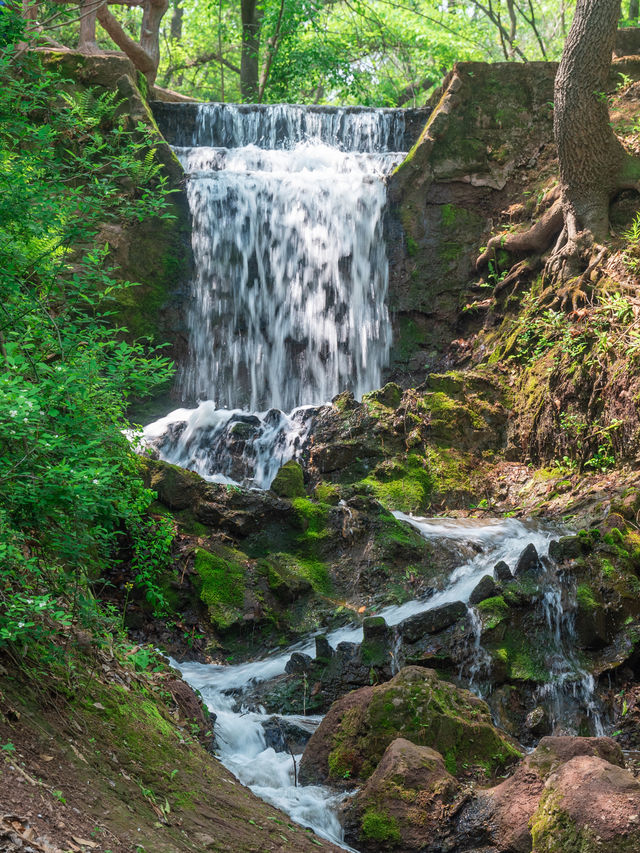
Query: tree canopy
{"x":371,"y":52}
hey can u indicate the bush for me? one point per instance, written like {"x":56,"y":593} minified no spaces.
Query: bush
{"x":70,"y":491}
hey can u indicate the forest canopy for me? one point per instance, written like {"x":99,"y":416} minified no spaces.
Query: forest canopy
{"x":370,"y":52}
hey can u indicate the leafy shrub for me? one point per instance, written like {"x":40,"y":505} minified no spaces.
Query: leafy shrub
{"x":71,"y":496}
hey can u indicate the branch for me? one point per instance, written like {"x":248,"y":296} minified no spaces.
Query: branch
{"x":137,"y":54}
{"x":203,"y":59}
{"x":413,"y":89}
{"x":498,"y":23}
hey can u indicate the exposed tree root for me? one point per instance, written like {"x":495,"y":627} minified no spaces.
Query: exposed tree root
{"x":536,"y":239}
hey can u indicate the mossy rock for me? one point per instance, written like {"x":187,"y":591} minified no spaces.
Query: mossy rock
{"x":222,"y":585}
{"x":415,"y":705}
{"x":289,"y":481}
{"x":589,"y":805}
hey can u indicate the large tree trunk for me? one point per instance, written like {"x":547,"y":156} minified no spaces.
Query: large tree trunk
{"x":591,"y":156}
{"x":249,"y":62}
{"x":153,"y":12}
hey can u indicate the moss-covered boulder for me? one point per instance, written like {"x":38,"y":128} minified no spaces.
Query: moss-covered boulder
{"x":588,"y":805}
{"x":403,"y":801}
{"x":501,"y":817}
{"x":222,"y":585}
{"x":415,"y":705}
{"x":289,"y":481}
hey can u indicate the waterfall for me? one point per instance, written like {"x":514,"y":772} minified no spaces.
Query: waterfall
{"x":288,"y":302}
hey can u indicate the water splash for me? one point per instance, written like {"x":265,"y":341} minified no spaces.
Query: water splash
{"x":571,"y":689}
{"x":230,"y":446}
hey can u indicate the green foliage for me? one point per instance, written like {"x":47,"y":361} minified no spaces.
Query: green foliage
{"x":72,"y":503}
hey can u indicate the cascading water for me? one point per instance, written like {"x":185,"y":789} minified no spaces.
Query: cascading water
{"x":289,"y":308}
{"x":288,"y":303}
{"x":240,"y":734}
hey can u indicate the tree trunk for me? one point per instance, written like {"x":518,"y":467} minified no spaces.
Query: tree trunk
{"x":634,"y":9}
{"x":88,"y":15}
{"x":145,"y":55}
{"x":591,"y":156}
{"x":176,"y":21}
{"x":249,"y":62}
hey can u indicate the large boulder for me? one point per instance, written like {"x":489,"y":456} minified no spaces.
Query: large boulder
{"x":415,"y":705}
{"x":501,"y":817}
{"x":403,"y":801}
{"x":289,"y":481}
{"x":588,"y":805}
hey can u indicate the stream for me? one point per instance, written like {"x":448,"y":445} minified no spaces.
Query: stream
{"x":288,"y":308}
{"x":239,"y":733}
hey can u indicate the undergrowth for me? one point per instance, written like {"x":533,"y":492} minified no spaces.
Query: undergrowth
{"x":72,"y":502}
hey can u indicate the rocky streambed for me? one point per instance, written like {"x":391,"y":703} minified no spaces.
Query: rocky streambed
{"x":429,"y":703}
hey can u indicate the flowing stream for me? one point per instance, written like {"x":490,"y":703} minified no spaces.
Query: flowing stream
{"x":240,"y":735}
{"x":288,"y":308}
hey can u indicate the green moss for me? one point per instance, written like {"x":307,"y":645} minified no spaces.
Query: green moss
{"x":327,"y":493}
{"x":523,"y":656}
{"x":493,"y":611}
{"x":407,"y":486}
{"x":222,"y":587}
{"x":312,"y":517}
{"x":585,"y":597}
{"x":289,"y":481}
{"x":380,"y":826}
{"x":427,"y":711}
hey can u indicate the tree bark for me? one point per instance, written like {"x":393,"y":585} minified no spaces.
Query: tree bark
{"x":249,"y":62}
{"x":153,"y":12}
{"x":145,"y":55}
{"x":591,"y":157}
{"x":634,"y":9}
{"x":176,"y":21}
{"x":87,"y":42}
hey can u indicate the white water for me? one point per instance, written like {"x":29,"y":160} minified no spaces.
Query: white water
{"x":229,"y":445}
{"x":571,"y":687}
{"x":240,"y":738}
{"x":288,"y":302}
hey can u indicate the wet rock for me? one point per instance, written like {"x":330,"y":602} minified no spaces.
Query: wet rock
{"x":528,"y":561}
{"x":289,"y":481}
{"x":298,"y":663}
{"x":486,"y":588}
{"x":431,"y":621}
{"x":415,"y":705}
{"x":402,"y":801}
{"x":377,"y":642}
{"x":502,"y":572}
{"x":285,"y":735}
{"x":567,"y":548}
{"x":537,"y":722}
{"x":324,"y":651}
